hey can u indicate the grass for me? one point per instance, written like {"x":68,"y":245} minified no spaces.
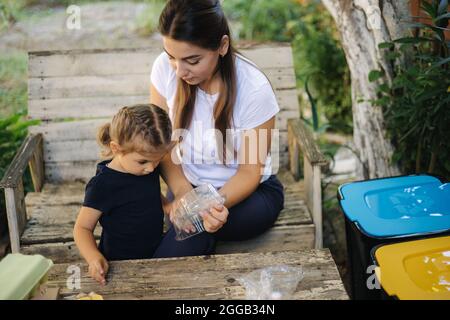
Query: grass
{"x":147,"y":21}
{"x":12,"y":11}
{"x":13,"y":83}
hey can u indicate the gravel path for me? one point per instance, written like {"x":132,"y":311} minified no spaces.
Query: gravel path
{"x":103,"y":25}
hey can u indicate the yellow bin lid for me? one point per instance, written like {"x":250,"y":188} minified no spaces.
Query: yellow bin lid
{"x":415,"y":270}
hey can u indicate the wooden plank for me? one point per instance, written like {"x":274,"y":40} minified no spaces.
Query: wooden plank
{"x":72,"y":150}
{"x":60,"y":252}
{"x":66,"y":200}
{"x":294,"y":154}
{"x":69,"y":171}
{"x":57,"y":195}
{"x":13,"y":214}
{"x":113,"y":85}
{"x":16,"y":214}
{"x":278,"y":238}
{"x":306,"y":142}
{"x":79,"y":107}
{"x":170,"y":279}
{"x":57,"y":252}
{"x":53,"y":214}
{"x":73,"y":192}
{"x":96,"y":107}
{"x":40,"y":234}
{"x":313,"y":193}
{"x":36,"y":165}
{"x":102,"y":64}
{"x":292,"y":228}
{"x":69,"y":130}
{"x":317,"y":210}
{"x":22,"y":214}
{"x":63,"y":188}
{"x":87,"y":130}
{"x":88,"y":86}
{"x":139,"y":60}
{"x":293,"y":238}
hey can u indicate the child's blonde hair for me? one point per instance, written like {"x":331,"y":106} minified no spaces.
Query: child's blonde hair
{"x":142,"y":128}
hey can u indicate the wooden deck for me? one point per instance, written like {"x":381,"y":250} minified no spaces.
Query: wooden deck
{"x":207,"y":277}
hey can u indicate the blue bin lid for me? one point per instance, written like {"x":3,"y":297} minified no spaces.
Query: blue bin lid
{"x":397,"y":206}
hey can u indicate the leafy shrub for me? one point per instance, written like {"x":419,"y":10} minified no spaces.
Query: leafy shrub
{"x":13,"y":83}
{"x":147,"y":21}
{"x":318,"y":55}
{"x":417,"y":103}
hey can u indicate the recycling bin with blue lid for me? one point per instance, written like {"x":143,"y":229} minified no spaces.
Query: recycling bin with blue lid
{"x":389,"y":210}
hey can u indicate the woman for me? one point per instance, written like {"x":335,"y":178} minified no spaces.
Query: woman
{"x":214,"y":95}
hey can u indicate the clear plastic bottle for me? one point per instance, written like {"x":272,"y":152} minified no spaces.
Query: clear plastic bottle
{"x":187,"y":220}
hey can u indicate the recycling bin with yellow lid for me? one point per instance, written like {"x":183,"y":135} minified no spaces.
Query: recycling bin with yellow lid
{"x":415,"y":270}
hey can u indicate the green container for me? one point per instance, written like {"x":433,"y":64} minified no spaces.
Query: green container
{"x":21,"y":275}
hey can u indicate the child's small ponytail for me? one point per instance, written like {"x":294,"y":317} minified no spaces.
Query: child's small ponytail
{"x":104,"y":139}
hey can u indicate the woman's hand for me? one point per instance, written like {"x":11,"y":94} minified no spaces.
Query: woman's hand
{"x":98,"y":268}
{"x":215,"y":218}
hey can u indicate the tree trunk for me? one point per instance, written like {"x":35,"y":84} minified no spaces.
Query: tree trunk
{"x":363,"y":24}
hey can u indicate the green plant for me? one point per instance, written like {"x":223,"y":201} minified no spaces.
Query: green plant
{"x":416,"y":105}
{"x":10,"y":11}
{"x":13,"y":83}
{"x":147,"y":21}
{"x":317,"y":52}
{"x":314,"y":123}
{"x":319,"y":57}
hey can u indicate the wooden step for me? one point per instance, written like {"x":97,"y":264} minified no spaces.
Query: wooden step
{"x":52,"y":214}
{"x":215,"y":276}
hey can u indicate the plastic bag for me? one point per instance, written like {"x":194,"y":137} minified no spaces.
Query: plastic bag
{"x":187,"y":220}
{"x":272,"y":283}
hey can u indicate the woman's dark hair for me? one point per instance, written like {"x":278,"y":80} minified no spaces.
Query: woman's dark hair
{"x":142,"y":128}
{"x":202,"y":23}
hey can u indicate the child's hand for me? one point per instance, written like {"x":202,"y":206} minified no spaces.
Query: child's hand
{"x":98,"y":268}
{"x":166,"y":204}
{"x":171,"y":208}
{"x":215,"y":218}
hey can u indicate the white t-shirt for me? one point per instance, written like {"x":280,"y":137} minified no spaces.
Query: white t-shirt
{"x":255,"y":104}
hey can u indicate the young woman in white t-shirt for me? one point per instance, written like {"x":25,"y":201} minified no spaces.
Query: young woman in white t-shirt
{"x":214,"y":96}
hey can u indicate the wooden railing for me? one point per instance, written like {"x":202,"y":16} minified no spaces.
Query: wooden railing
{"x":303,"y":148}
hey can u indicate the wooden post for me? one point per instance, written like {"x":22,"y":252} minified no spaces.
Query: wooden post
{"x":317,"y":206}
{"x":313,"y":193}
{"x":16,"y":213}
{"x":36,"y":164}
{"x":293,"y":154}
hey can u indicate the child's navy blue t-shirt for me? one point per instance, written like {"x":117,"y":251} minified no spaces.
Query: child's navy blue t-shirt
{"x":132,"y":214}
